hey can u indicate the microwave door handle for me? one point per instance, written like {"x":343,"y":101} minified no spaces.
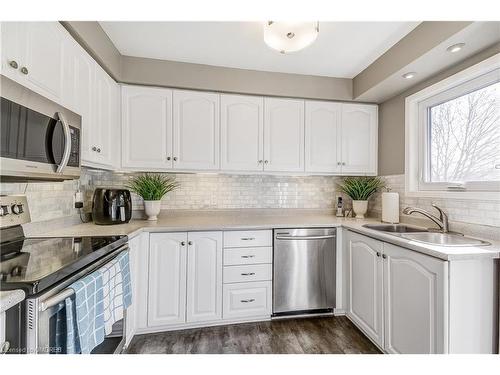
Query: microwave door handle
{"x":67,"y":144}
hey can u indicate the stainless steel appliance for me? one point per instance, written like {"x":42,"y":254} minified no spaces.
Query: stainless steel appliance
{"x":39,"y":138}
{"x":45,"y":268}
{"x":111,"y":206}
{"x":304,"y":271}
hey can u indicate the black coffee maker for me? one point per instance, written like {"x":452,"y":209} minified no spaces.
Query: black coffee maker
{"x":111,"y":206}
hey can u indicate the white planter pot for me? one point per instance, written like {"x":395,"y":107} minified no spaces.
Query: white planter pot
{"x":152,"y":209}
{"x":360,"y":208}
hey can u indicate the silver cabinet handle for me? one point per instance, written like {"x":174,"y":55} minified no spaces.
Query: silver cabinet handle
{"x":67,"y":144}
{"x":13,"y":64}
{"x":378,"y":254}
{"x":260,"y":161}
{"x":248,"y":238}
{"x":266,"y":161}
{"x":99,"y":150}
{"x":247,"y":300}
{"x":343,"y":163}
{"x":190,"y":243}
{"x":384,"y":256}
{"x":183,"y":243}
{"x":339,"y":163}
{"x":248,"y":274}
{"x":175,"y":158}
{"x":248,"y":256}
{"x":94,"y":148}
{"x":24,"y":70}
{"x":169,"y":158}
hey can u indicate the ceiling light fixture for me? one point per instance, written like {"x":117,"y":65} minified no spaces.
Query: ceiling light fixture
{"x":409,"y":75}
{"x":455,"y":47}
{"x":287,"y":37}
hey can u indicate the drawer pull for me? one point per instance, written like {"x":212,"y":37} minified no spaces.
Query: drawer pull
{"x":247,"y":300}
{"x":248,"y":256}
{"x":248,"y":274}
{"x":248,"y":238}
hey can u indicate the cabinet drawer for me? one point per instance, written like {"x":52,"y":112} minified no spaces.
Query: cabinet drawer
{"x":248,"y":238}
{"x":247,"y":299}
{"x":241,"y":274}
{"x":247,"y":255}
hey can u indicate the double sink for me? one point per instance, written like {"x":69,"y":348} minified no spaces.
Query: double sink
{"x":427,"y":236}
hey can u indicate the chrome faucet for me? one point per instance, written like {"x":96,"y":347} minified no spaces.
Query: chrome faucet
{"x":441,"y":221}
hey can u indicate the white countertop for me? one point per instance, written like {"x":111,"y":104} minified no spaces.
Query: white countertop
{"x":10,"y":298}
{"x":262,"y":219}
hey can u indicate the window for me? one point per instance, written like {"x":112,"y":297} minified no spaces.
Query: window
{"x":453,"y":142}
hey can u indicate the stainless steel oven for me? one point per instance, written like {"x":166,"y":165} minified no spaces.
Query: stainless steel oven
{"x":41,"y":315}
{"x":39,"y":138}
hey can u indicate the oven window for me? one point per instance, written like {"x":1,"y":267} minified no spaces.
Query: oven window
{"x":29,"y":135}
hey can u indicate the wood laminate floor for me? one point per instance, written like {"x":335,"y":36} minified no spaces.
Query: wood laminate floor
{"x":324,"y":335}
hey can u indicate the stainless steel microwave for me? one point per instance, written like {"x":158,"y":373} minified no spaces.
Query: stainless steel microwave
{"x":40,"y":140}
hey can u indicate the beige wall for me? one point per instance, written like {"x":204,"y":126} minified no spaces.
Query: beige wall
{"x":391,"y":153}
{"x":206,"y":77}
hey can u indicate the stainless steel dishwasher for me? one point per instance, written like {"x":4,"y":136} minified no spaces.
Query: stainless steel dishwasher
{"x":304,"y":271}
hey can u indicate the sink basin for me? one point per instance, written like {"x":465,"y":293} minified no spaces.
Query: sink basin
{"x":444,"y":239}
{"x":394,"y":228}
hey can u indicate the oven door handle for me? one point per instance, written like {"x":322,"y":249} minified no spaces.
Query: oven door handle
{"x":58,"y":298}
{"x":67,"y":144}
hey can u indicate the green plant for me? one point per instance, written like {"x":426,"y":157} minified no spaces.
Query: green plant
{"x":361,"y":188}
{"x":152,"y":186}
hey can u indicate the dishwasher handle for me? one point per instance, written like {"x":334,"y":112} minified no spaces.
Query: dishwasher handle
{"x":322,"y":237}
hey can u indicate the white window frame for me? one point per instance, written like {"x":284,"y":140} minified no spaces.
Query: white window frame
{"x":416,"y":133}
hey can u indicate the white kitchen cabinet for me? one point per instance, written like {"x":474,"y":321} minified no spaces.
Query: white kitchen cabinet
{"x":196,"y":130}
{"x":204,"y":277}
{"x":242,"y":126}
{"x":365,"y":285}
{"x":283,"y":135}
{"x":167,"y":279}
{"x":33,"y":55}
{"x":414,"y":293}
{"x":323,"y":138}
{"x":146,"y":128}
{"x":359,"y":139}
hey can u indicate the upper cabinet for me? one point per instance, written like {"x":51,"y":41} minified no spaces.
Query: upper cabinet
{"x":33,"y":55}
{"x":283,"y":135}
{"x":359,"y":139}
{"x":323,"y":137}
{"x":148,"y":146}
{"x":196,"y":130}
{"x":242,"y":133}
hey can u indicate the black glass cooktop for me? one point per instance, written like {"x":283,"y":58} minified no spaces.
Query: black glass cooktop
{"x":35,"y":264}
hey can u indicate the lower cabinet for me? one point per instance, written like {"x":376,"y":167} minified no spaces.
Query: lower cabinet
{"x":242,"y":300}
{"x":397,"y":297}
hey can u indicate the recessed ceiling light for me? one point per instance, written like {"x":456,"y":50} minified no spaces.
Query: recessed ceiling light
{"x":409,"y":75}
{"x":455,"y":47}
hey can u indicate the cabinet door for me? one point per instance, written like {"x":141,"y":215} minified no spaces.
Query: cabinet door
{"x":13,"y":49}
{"x":204,"y":276}
{"x":283,"y":135}
{"x":365,"y":295}
{"x":78,"y":91}
{"x":323,"y":138}
{"x":415,"y":287}
{"x":146,"y":128}
{"x":359,"y":139}
{"x":44,"y":58}
{"x":196,"y":130}
{"x":167,"y":279}
{"x":106,"y":126}
{"x":242,"y":119}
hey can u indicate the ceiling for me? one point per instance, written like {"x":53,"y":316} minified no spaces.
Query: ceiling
{"x":342,"y":49}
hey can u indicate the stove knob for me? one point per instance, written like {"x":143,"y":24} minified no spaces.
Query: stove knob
{"x":4,"y":210}
{"x":17,"y":209}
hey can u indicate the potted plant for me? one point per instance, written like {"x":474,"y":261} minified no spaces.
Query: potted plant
{"x":360,"y":189}
{"x":152,"y":187}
